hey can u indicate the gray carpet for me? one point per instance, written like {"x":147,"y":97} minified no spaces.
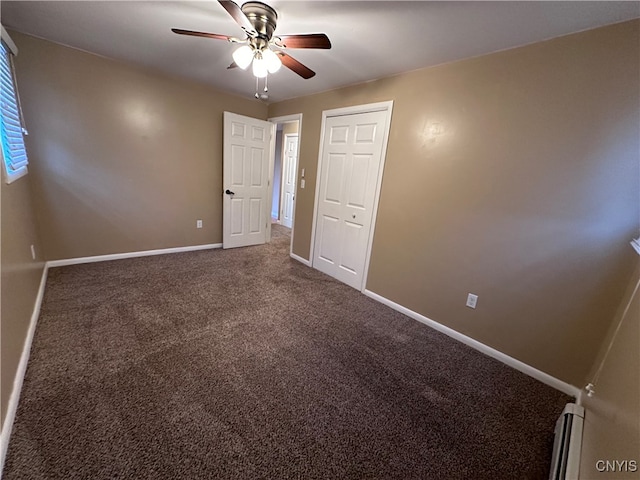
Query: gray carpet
{"x":245,"y":364}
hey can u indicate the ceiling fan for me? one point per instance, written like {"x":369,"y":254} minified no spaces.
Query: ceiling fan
{"x":261,"y":48}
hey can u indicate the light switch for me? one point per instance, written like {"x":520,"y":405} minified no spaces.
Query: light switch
{"x":302,"y":183}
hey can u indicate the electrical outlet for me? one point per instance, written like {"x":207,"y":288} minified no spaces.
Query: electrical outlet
{"x":302,"y":183}
{"x":198,"y":223}
{"x":472,"y":300}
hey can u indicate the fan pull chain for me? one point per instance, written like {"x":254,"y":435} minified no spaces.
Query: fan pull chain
{"x":264,"y":95}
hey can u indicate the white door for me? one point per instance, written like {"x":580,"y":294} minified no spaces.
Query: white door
{"x":246,"y":206}
{"x":289,"y":172}
{"x":350,"y":166}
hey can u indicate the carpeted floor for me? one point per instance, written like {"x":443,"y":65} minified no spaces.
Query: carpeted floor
{"x":245,"y":364}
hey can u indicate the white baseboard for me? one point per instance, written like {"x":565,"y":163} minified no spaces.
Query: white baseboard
{"x":300,"y":259}
{"x":481,"y":347}
{"x":12,"y":407}
{"x":119,"y":256}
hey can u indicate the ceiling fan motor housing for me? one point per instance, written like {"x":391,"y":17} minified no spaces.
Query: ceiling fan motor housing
{"x":264,"y":20}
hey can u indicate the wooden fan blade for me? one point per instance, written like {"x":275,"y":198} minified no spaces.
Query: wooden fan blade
{"x":200,"y":34}
{"x":311,"y":40}
{"x":294,"y":65}
{"x":237,"y":14}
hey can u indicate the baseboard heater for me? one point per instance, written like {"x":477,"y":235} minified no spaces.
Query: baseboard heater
{"x":567,"y":444}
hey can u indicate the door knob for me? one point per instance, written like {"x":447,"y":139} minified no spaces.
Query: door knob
{"x":229,"y":192}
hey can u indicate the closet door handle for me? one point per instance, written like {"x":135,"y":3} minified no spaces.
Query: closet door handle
{"x":229,"y":192}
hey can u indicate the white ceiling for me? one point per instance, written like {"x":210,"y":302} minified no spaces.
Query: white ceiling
{"x":371,"y":39}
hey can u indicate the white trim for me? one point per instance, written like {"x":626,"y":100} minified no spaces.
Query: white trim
{"x":481,"y":347}
{"x":12,"y":407}
{"x":10,"y":177}
{"x":337,"y":112}
{"x":288,"y":119}
{"x":365,"y":108}
{"x":314,"y":216}
{"x":9,"y":41}
{"x":300,"y":259}
{"x":120,"y":256}
{"x":272,"y":157}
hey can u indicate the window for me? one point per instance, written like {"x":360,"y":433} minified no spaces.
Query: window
{"x":12,"y":131}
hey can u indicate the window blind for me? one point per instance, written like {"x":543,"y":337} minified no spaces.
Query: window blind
{"x":11,"y":128}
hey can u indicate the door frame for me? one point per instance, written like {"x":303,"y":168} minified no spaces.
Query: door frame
{"x":275,"y":120}
{"x":337,"y":112}
{"x":295,"y":183}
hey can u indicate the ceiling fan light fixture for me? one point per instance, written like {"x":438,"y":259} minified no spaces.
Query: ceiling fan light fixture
{"x":259,"y":20}
{"x":243,"y":56}
{"x":260,"y":66}
{"x":273,"y":61}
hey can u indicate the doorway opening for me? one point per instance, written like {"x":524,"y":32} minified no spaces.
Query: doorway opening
{"x":285,"y":177}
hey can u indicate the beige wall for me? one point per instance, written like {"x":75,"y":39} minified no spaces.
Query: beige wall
{"x":124,"y":159}
{"x":527,"y":195}
{"x":290,"y":128}
{"x":20,"y":277}
{"x":612,"y":419}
